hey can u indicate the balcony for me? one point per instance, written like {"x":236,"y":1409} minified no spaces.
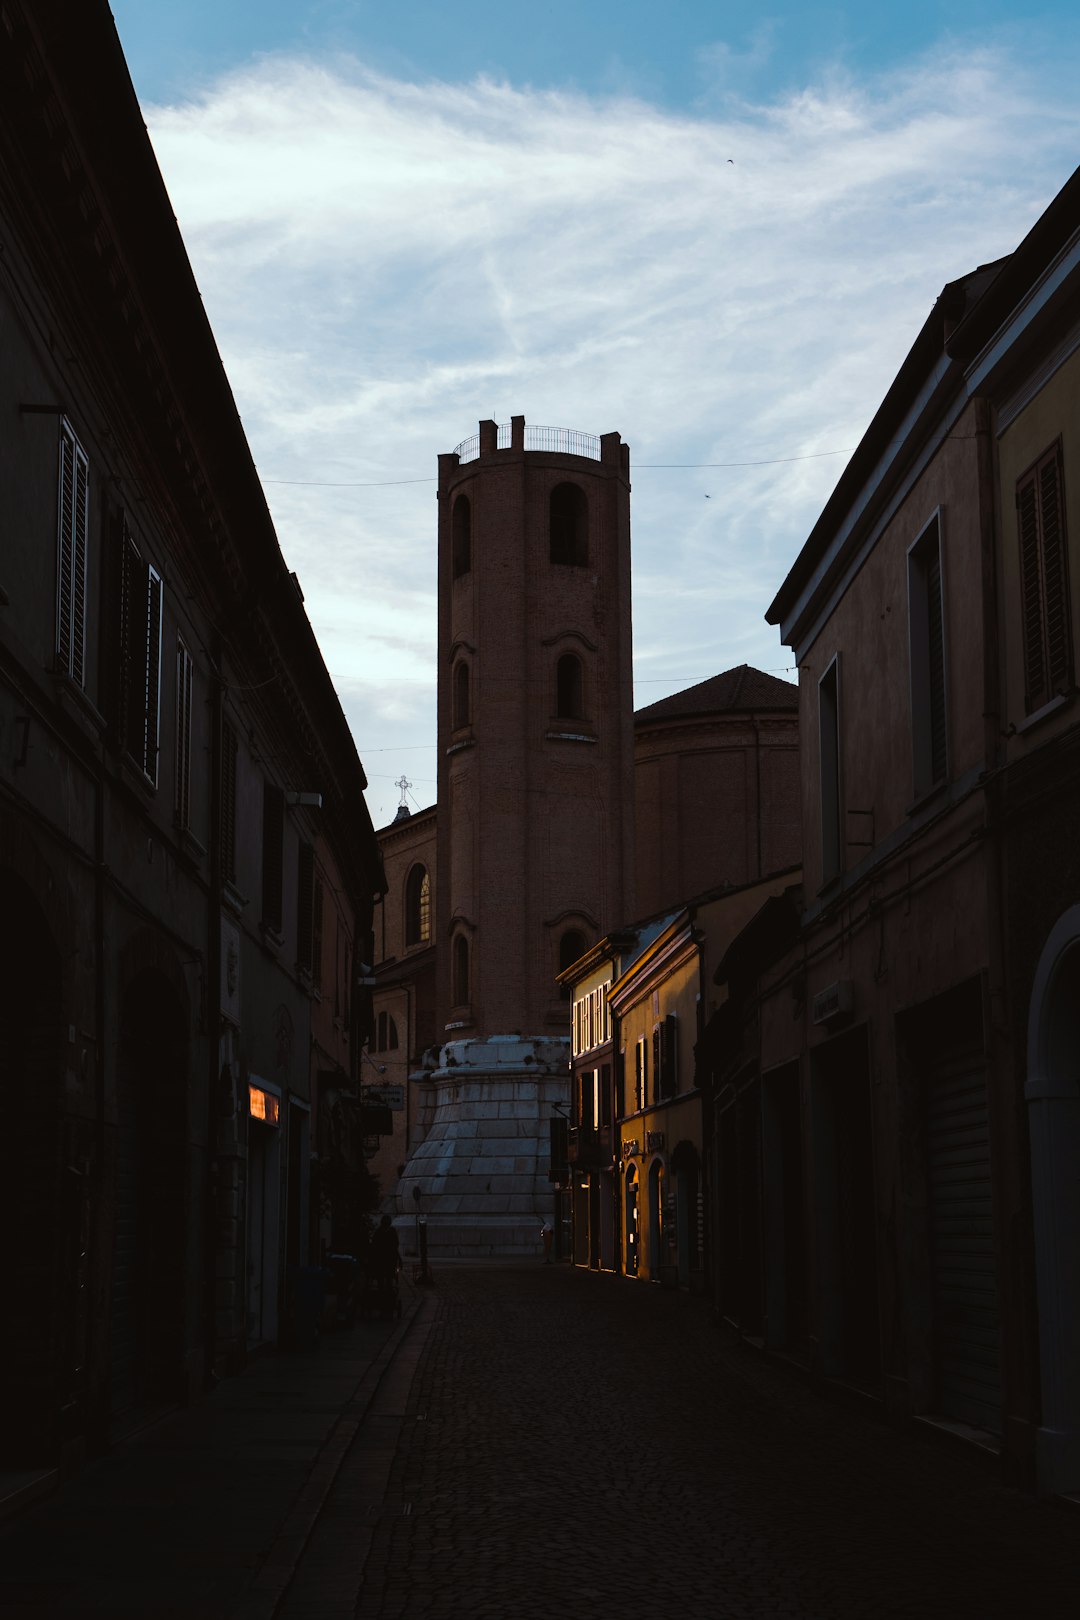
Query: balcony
{"x":590,"y":1149}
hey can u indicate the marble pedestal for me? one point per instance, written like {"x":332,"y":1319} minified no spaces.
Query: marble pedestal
{"x":481,"y":1170}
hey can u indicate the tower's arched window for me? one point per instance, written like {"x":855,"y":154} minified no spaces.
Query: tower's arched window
{"x":461,"y":537}
{"x":571,"y":946}
{"x":569,"y":688}
{"x":461,"y":695}
{"x":568,"y":525}
{"x":418,"y":906}
{"x":459,"y":989}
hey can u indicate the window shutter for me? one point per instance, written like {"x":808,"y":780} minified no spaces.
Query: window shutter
{"x":183,"y":736}
{"x":1055,"y":575}
{"x":152,"y":690}
{"x":671,"y":1055}
{"x":305,"y":905}
{"x":936,"y":666}
{"x":228,"y":802}
{"x":1031,"y":593}
{"x":1044,"y":581}
{"x":317,"y":938}
{"x":272,"y":853}
{"x":71,"y":545}
{"x":78,"y":572}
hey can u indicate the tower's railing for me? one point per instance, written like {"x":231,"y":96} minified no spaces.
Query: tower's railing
{"x":555,"y":440}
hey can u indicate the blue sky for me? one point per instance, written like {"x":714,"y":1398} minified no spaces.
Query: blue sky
{"x":402,"y":221}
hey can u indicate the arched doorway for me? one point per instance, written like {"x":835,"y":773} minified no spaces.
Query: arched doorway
{"x":38,"y":1366}
{"x":1052,"y":1093}
{"x":632,"y":1243}
{"x":148,"y":1292}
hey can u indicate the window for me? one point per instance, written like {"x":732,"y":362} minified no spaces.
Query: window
{"x":829,"y":753}
{"x":571,"y":946}
{"x":317,"y":946}
{"x":273,"y":849}
{"x":665,"y":1058}
{"x":569,"y":688}
{"x":588,"y":1100}
{"x":305,"y":907}
{"x":1044,"y":581}
{"x":386,"y":1035}
{"x":184,"y":671}
{"x":568,"y":526}
{"x":418,"y":906}
{"x":641,"y":1074}
{"x":461,"y":695}
{"x":228,"y":801}
{"x":72,"y":520}
{"x":140,"y":656}
{"x":460,"y":971}
{"x":461,"y":537}
{"x":926,"y":638}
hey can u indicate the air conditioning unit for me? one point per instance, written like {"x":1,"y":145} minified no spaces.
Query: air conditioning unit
{"x":835,"y":999}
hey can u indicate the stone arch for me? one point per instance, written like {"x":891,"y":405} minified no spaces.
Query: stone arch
{"x":1052,"y":1094}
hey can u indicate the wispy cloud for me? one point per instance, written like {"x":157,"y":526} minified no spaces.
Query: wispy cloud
{"x":385,"y":263}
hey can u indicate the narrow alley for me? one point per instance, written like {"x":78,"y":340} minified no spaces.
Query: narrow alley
{"x":534,"y":1441}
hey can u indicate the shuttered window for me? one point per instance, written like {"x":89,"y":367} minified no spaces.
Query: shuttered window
{"x":72,"y":509}
{"x":273,"y":849}
{"x":926,"y":648}
{"x":184,"y":671}
{"x":1044,"y":581}
{"x":317,"y":942}
{"x":832,"y":850}
{"x":139,"y":697}
{"x":305,"y":906}
{"x":228,"y":801}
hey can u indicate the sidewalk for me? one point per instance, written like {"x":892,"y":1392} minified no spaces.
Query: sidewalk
{"x":209,"y":1510}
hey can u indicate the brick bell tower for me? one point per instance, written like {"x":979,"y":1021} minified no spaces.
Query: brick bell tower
{"x":535,"y":807}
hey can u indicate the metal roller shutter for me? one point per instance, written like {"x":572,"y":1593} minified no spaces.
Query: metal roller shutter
{"x":962,"y":1245}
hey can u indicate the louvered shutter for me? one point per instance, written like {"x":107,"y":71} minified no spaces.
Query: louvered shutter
{"x":228,"y":802}
{"x":72,"y":513}
{"x":305,"y":903}
{"x":936,"y":666}
{"x":1044,"y":581}
{"x":1055,"y":575}
{"x":183,"y":735}
{"x":152,"y":689}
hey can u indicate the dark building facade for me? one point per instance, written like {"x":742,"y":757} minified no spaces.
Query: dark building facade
{"x":176,"y":779}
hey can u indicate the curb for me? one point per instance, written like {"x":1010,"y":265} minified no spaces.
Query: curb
{"x":277,"y":1569}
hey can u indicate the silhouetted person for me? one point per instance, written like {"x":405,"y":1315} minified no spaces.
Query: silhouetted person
{"x":547,"y":1234}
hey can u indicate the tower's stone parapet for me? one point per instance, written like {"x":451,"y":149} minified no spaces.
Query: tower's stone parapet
{"x":479,"y":1178}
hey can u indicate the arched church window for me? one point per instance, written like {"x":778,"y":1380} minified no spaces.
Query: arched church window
{"x":418,"y":906}
{"x":386,"y":1035}
{"x":568,"y":526}
{"x":569,"y":688}
{"x":461,"y":537}
{"x":571,"y":945}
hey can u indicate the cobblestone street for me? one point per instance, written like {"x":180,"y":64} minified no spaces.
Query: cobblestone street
{"x":580,"y":1444}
